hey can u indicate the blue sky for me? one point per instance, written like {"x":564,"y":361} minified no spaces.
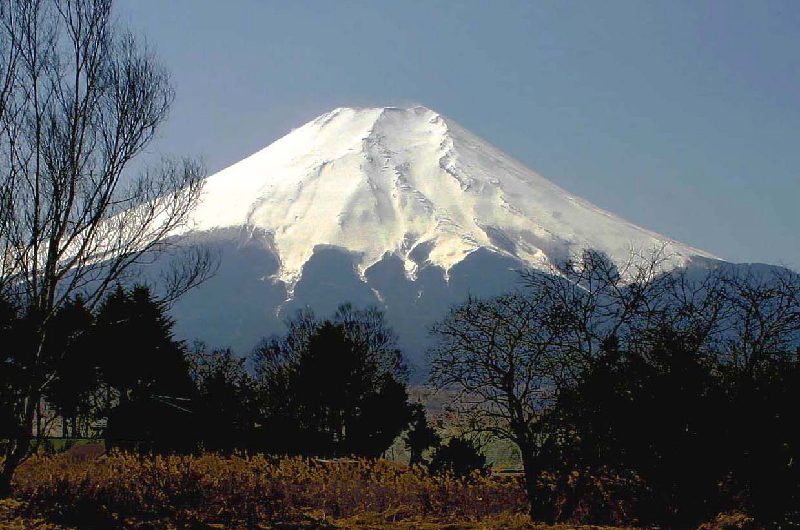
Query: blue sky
{"x":680,"y":116}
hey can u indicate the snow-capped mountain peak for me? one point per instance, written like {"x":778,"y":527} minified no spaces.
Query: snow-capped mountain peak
{"x":412,"y":184}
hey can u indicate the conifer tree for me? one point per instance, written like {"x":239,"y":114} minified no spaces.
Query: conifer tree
{"x":421,"y":436}
{"x":76,"y":365}
{"x":334,"y":387}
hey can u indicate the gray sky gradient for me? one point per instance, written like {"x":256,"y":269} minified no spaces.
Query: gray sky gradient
{"x":680,"y":116}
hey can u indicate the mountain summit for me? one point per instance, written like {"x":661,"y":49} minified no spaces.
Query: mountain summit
{"x":413,"y":184}
{"x":400,"y":208}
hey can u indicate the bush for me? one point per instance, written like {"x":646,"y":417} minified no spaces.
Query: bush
{"x":459,"y":457}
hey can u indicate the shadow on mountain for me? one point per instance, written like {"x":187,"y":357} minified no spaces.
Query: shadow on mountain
{"x":412,"y":306}
{"x":484,"y":273}
{"x":328,"y":279}
{"x":242,"y":303}
{"x":237,"y":306}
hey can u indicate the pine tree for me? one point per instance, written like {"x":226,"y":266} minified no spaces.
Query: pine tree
{"x":76,"y":367}
{"x":421,"y":436}
{"x":139,"y":356}
{"x":146,"y":367}
{"x":334,"y":387}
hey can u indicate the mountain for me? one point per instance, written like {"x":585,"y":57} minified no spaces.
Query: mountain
{"x":402,"y":208}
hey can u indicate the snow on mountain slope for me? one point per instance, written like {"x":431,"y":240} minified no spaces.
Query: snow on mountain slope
{"x":413,"y":184}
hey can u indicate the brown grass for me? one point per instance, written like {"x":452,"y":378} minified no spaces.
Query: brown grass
{"x":250,"y":492}
{"x":81,"y":491}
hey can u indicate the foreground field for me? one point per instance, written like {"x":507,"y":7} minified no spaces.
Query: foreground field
{"x":123,"y":491}
{"x":247,"y":492}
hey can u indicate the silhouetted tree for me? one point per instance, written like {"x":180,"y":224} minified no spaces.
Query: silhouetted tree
{"x":761,"y":375}
{"x":153,"y":424}
{"x":459,"y":456}
{"x":421,"y":436}
{"x":79,"y":100}
{"x":226,"y":405}
{"x":76,"y":374}
{"x":11,"y":371}
{"x":499,"y":360}
{"x":655,"y":409}
{"x":138,"y":353}
{"x":638,"y":353}
{"x":146,"y":367}
{"x":333,"y":387}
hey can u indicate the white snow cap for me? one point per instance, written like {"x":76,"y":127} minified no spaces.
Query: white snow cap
{"x":412,"y":183}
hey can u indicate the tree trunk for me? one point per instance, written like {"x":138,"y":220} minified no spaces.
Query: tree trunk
{"x":538,"y":511}
{"x":38,"y":419}
{"x":531,"y":475}
{"x":19,"y":450}
{"x":18,"y":447}
{"x":5,"y":482}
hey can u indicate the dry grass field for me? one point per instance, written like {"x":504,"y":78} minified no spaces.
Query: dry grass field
{"x":82,"y":491}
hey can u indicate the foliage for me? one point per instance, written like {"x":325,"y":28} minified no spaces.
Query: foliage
{"x":75,"y":367}
{"x":333,"y":387}
{"x":227,"y":400}
{"x":138,"y":354}
{"x":685,"y":379}
{"x":421,"y":436}
{"x":126,"y":358}
{"x":658,"y":413}
{"x":460,"y":457}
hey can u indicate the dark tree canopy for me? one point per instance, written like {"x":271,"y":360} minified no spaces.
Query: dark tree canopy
{"x":459,"y":457}
{"x":421,"y":436}
{"x":226,"y":405}
{"x":334,"y":387}
{"x":599,"y":369}
{"x":138,"y":352}
{"x":145,"y":367}
{"x":76,"y":363}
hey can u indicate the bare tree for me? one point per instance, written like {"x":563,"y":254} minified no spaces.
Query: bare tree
{"x":508,"y":357}
{"x":762,"y":319}
{"x":498,"y":358}
{"x":79,"y":100}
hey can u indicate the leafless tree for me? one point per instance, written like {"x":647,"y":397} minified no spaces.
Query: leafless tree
{"x":762,"y":320}
{"x":498,"y":359}
{"x":508,"y":357}
{"x":79,"y":100}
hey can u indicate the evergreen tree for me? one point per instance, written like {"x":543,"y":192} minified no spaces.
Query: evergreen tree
{"x":655,"y":409}
{"x":421,"y":436}
{"x":459,"y":456}
{"x":76,"y":367}
{"x":142,"y":362}
{"x":334,"y":387}
{"x":226,"y":400}
{"x":138,"y":354}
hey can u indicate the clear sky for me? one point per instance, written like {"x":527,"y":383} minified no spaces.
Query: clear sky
{"x":680,"y":116}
